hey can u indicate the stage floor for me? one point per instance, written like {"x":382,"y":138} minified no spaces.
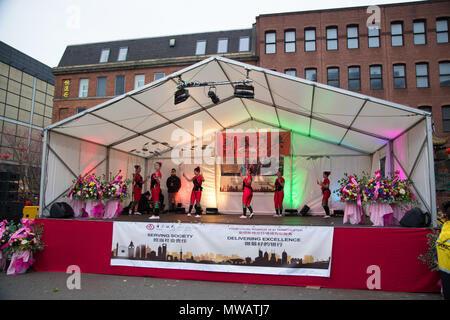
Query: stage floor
{"x":234,"y":219}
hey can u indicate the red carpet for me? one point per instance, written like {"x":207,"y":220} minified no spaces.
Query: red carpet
{"x":394,"y":250}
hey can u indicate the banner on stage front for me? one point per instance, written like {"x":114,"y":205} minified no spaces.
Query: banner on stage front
{"x":258,"y":249}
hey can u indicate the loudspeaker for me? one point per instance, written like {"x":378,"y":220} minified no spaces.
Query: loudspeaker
{"x":415,"y":218}
{"x":8,"y":186}
{"x":11,"y":211}
{"x":61,"y":210}
{"x":304,"y":210}
{"x":290,"y":212}
{"x":180,"y":210}
{"x":339,"y":213}
{"x":212,"y":211}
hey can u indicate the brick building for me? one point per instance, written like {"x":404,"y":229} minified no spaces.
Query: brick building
{"x":90,"y":74}
{"x":406,"y":60}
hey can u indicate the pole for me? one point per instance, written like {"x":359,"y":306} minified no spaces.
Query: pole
{"x":431,"y":173}
{"x":43,"y":174}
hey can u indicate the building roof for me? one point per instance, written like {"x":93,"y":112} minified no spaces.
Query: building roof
{"x":25,"y":63}
{"x":152,"y":48}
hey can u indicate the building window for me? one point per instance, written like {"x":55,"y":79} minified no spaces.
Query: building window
{"x":310,"y":39}
{"x":446,"y":118}
{"x":158,"y":75}
{"x":352,"y":37}
{"x":200,"y":48}
{"x":354,"y":78}
{"x":442,"y":30}
{"x":332,"y":38}
{"x":83,"y":90}
{"x":444,"y":73}
{"x":374,"y":37}
{"x":101,"y":86}
{"x":222,"y":45}
{"x":120,"y":85}
{"x":80,"y":109}
{"x":333,"y":76}
{"x":376,"y":77}
{"x":289,"y":41}
{"x":244,"y":44}
{"x":426,"y":108}
{"x":311,"y":74}
{"x":291,"y":72}
{"x":139,"y":80}
{"x":271,"y":39}
{"x":422,"y":75}
{"x":397,"y":34}
{"x":399,"y":76}
{"x":104,"y":56}
{"x":122,"y":54}
{"x":419,"y":30}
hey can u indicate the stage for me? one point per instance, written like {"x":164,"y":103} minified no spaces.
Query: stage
{"x":235,"y":219}
{"x":356,"y":252}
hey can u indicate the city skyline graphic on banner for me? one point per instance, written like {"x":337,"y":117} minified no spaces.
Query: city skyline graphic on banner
{"x":262,"y":258}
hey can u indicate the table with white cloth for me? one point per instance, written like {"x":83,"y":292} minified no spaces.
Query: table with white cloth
{"x":354,"y":213}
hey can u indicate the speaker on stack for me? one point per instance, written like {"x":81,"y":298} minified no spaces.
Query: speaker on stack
{"x":9,"y":195}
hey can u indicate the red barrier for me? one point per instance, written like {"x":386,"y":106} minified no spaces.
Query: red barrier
{"x":87,"y":244}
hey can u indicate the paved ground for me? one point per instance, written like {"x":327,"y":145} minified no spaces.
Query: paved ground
{"x":50,"y":286}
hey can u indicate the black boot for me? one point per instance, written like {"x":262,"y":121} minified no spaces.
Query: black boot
{"x":251,"y":212}
{"x":198,"y":211}
{"x":244,"y":211}
{"x":327,"y":210}
{"x":281,"y":211}
{"x":276,"y":211}
{"x":190,"y":208}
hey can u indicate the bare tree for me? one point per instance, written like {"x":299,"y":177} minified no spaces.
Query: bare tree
{"x":25,"y":155}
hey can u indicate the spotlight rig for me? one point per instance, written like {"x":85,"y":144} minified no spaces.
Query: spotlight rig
{"x":242,"y":89}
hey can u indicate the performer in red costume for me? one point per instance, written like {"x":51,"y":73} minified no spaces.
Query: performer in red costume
{"x":326,"y":193}
{"x":196,"y":193}
{"x":138,"y":182}
{"x":279,"y":194}
{"x":156,"y":190}
{"x":247,"y":193}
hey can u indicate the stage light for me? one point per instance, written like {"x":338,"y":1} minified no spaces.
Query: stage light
{"x":181,"y":95}
{"x":212,"y":94}
{"x":244,"y":91}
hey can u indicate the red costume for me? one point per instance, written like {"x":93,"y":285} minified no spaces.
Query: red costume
{"x":247,"y":194}
{"x":196,"y":193}
{"x":326,"y":193}
{"x":156,"y":188}
{"x":279,"y":194}
{"x":137,"y":189}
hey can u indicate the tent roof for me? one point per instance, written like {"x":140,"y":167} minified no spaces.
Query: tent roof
{"x":148,"y":116}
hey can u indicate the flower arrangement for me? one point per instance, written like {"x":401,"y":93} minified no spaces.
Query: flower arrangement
{"x":378,"y":189}
{"x":401,"y":189}
{"x":116,"y":189}
{"x":76,"y":190}
{"x":350,"y":187}
{"x":92,"y":189}
{"x":27,"y":237}
{"x":17,"y":244}
{"x":375,"y":189}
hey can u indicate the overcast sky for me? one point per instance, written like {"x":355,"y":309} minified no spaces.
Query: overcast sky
{"x":43,"y":28}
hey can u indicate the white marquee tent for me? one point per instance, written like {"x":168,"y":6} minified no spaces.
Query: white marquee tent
{"x":330,"y":128}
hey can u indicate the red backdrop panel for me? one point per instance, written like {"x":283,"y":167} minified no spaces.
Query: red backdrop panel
{"x":394,"y":250}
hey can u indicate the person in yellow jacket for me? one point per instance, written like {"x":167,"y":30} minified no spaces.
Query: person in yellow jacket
{"x":443,"y":253}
